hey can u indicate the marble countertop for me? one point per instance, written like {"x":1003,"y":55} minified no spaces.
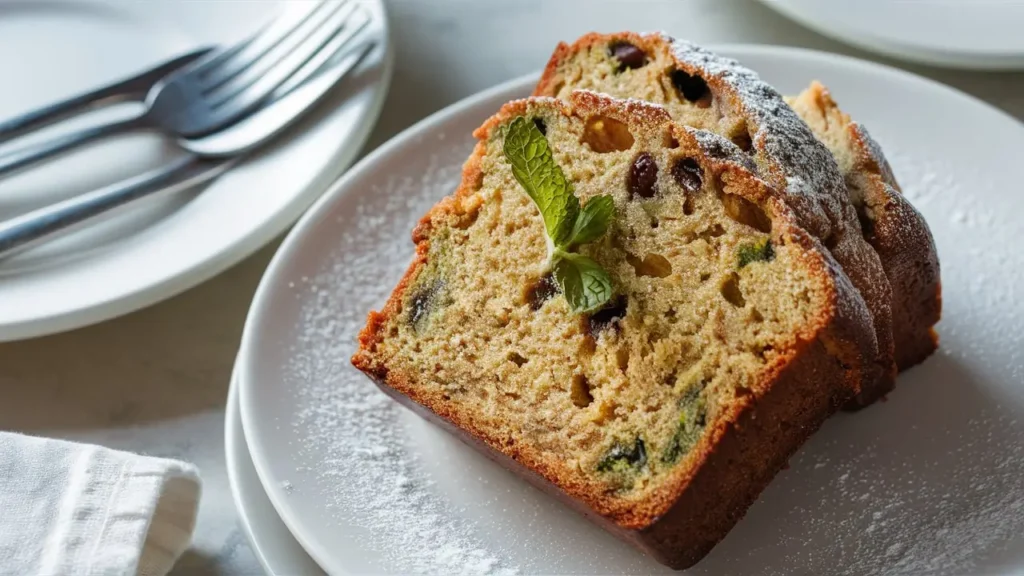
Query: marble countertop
{"x":156,"y":381}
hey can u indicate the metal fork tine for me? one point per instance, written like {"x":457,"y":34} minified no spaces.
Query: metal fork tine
{"x":322,"y":58}
{"x":263,"y":83}
{"x":226,"y":65}
{"x":270,"y":31}
{"x":286,"y":104}
{"x":315,"y":28}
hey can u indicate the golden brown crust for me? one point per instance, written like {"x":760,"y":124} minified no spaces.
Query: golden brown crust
{"x":751,"y":441}
{"x":745,"y":459}
{"x":897,"y":230}
{"x":791,"y":160}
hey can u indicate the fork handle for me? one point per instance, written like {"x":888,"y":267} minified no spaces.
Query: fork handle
{"x":129,"y":88}
{"x":28,"y":155}
{"x":34,"y":227}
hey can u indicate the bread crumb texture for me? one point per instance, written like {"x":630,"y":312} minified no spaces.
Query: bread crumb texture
{"x":712,"y":293}
{"x":841,"y":189}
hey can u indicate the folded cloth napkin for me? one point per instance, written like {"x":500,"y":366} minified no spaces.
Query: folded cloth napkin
{"x":78,"y":509}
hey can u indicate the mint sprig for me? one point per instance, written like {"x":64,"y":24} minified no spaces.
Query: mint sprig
{"x":584,"y":283}
{"x":592,"y":222}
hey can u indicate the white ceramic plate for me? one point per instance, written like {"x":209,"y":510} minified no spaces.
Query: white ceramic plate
{"x":981,"y":34}
{"x":275,"y":547}
{"x":931,"y":481}
{"x":151,"y":252}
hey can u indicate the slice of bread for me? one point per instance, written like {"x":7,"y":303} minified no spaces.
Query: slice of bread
{"x":706,"y":91}
{"x":890,"y":223}
{"x":731,"y":335}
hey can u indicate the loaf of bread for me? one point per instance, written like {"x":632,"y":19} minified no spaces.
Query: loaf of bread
{"x":706,"y":91}
{"x":714,"y":333}
{"x":890,"y":223}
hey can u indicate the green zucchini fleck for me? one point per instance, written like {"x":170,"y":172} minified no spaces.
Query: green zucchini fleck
{"x":692,"y":415}
{"x":623,"y":458}
{"x":761,"y":251}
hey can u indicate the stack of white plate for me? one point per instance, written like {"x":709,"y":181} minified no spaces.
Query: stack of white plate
{"x":328,"y":472}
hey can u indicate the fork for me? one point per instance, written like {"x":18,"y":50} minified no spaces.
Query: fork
{"x":209,"y":157}
{"x":126,"y":90}
{"x":224,"y":86}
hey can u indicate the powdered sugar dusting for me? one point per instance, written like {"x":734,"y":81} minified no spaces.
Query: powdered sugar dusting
{"x":982,"y":268}
{"x":806,"y":170}
{"x":872,"y":508}
{"x":718,"y":147}
{"x":376,"y":488}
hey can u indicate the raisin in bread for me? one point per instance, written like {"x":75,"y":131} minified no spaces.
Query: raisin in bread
{"x":890,"y":223}
{"x":731,"y":335}
{"x":706,"y":91}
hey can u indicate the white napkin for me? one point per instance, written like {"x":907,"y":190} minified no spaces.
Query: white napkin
{"x":79,"y":509}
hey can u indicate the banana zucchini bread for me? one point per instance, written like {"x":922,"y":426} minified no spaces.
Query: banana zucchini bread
{"x":620,"y":309}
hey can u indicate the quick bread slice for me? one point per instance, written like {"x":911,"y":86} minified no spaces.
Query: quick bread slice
{"x":725,"y":339}
{"x":890,"y":223}
{"x":703,"y":90}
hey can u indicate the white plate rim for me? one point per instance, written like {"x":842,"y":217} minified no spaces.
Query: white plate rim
{"x":236,"y":448}
{"x":233,"y":439}
{"x":920,"y":54}
{"x":202,"y":269}
{"x":284,"y":252}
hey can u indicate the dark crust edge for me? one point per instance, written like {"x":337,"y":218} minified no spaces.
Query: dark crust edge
{"x":754,"y":438}
{"x":861,"y":261}
{"x":901,"y":237}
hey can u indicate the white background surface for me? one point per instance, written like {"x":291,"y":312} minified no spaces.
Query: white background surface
{"x":156,"y":381}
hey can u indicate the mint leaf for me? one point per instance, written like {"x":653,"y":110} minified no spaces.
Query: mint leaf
{"x":593,"y":221}
{"x":527,"y":150}
{"x":585,"y":284}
